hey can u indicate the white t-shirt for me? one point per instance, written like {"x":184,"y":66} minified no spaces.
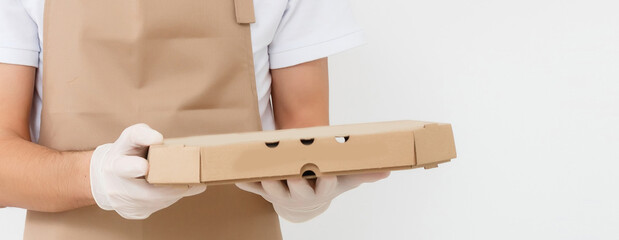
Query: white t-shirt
{"x":286,"y":33}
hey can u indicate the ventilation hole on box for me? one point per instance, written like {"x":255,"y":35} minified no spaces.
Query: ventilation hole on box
{"x":272,"y":144}
{"x":307,"y":141}
{"x":310,"y":171}
{"x":342,"y":139}
{"x":309,"y":174}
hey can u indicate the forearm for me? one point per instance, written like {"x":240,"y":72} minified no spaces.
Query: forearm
{"x":301,"y":95}
{"x":42,"y":179}
{"x":303,"y":118}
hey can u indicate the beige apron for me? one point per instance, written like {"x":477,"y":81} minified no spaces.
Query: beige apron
{"x":185,"y":67}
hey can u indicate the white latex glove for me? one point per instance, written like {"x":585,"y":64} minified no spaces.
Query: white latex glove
{"x":299,"y":201}
{"x":117,"y":171}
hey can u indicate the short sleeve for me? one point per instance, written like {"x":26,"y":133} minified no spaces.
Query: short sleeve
{"x":19,"y":42}
{"x":313,"y":29}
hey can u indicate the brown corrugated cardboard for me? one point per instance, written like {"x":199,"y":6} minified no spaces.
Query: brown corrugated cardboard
{"x":281,"y":154}
{"x":184,"y":169}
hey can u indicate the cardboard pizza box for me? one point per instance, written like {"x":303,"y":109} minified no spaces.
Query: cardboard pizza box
{"x":306,"y":152}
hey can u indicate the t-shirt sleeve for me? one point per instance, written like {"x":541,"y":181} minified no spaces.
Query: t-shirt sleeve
{"x":313,"y":29}
{"x":19,"y":41}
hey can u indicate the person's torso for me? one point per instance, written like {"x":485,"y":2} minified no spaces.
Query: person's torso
{"x":268,"y":17}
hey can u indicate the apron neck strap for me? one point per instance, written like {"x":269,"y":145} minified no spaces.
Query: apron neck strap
{"x":244,"y":11}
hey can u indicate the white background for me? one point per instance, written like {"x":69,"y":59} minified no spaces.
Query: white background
{"x":531,"y":88}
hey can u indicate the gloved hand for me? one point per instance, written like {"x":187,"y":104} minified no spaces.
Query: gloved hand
{"x":117,"y":171}
{"x":299,"y":201}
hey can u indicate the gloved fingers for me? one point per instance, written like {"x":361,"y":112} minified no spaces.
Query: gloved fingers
{"x":326,"y":185}
{"x":134,"y":215}
{"x":144,"y":210}
{"x":276,"y":189}
{"x":195,"y":190}
{"x":351,"y":181}
{"x":170,"y":191}
{"x":301,"y":214}
{"x":373,"y":177}
{"x":173,"y":192}
{"x":130,"y":166}
{"x":146,"y":191}
{"x":166,"y":204}
{"x":135,"y":139}
{"x":300,"y":189}
{"x":252,"y":187}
